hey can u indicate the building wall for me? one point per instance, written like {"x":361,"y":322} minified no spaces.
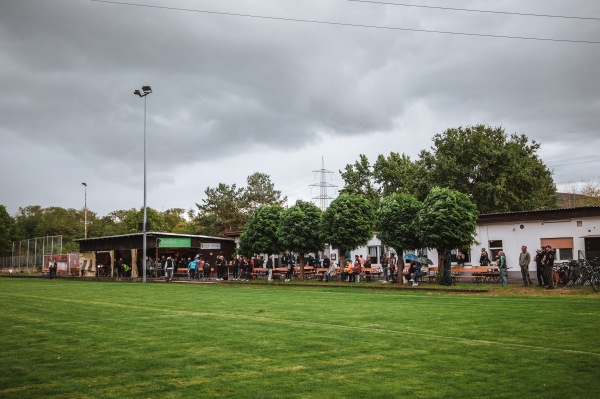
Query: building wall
{"x":531,"y":234}
{"x":513,"y":237}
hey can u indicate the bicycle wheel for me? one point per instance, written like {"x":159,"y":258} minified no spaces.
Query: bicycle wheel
{"x":595,"y":282}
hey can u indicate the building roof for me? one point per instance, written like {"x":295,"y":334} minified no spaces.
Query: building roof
{"x":156,"y":234}
{"x":542,"y":214}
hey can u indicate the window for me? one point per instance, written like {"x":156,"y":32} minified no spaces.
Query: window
{"x":564,"y":254}
{"x":454,"y":254}
{"x":563,"y":246}
{"x":579,"y":223}
{"x":495,"y":247}
{"x":372,"y":251}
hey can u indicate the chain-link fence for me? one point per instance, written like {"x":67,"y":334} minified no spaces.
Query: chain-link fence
{"x":29,"y":254}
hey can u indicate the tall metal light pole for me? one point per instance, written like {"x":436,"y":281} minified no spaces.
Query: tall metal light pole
{"x":145,"y":91}
{"x":85,"y":210}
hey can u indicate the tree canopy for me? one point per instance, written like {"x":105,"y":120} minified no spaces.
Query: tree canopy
{"x":300,"y":230}
{"x":227,"y":208}
{"x":8,"y":232}
{"x":348,"y":223}
{"x":261,"y":234}
{"x":500,"y":173}
{"x":447,"y":220}
{"x":396,"y":218}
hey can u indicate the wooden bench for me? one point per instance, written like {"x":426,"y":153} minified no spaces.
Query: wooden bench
{"x":181,"y":272}
{"x":374,"y":271}
{"x":320,"y":272}
{"x":258,"y":272}
{"x":477,"y":274}
{"x":432,"y":274}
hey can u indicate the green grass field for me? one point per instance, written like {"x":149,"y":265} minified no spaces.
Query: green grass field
{"x":85,"y":339}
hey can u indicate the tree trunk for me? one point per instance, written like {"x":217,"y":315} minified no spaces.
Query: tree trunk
{"x":342,"y":263}
{"x":440,"y":265}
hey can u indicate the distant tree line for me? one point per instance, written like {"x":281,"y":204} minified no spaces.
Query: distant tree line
{"x":225,"y":208}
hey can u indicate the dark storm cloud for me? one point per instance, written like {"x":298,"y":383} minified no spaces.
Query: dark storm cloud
{"x":227,"y":85}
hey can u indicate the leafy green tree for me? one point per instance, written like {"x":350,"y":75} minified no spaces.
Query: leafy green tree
{"x":300,"y":230}
{"x":398,"y":174}
{"x":172,"y":218}
{"x":27,"y":220}
{"x":8,"y":232}
{"x":261,"y":235}
{"x":447,"y":220}
{"x":227,"y":208}
{"x":396,"y":219}
{"x":261,"y":191}
{"x":499,"y":173}
{"x":359,"y":180}
{"x":348,"y":223}
{"x":222,"y":210}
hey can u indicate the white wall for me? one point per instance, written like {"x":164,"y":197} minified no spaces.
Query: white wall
{"x":513,"y":237}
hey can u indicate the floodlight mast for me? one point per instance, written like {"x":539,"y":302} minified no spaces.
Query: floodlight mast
{"x":85,"y":210}
{"x":147,"y":90}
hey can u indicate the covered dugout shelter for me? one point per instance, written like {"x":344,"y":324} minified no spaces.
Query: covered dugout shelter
{"x":100,"y":254}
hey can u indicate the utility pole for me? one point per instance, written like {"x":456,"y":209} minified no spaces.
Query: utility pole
{"x":323,"y":185}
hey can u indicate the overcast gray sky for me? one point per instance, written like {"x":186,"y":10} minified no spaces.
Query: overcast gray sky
{"x":235,"y":95}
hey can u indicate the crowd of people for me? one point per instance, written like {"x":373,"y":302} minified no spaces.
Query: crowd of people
{"x":390,"y":268}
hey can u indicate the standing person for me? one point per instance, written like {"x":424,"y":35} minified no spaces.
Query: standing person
{"x":502,"y":266}
{"x":237,"y":263}
{"x":549,"y":266}
{"x":367,"y":265}
{"x":52,"y":269}
{"x":221,"y":268}
{"x":392,"y":267}
{"x":524,"y":261}
{"x":326,"y":264}
{"x":119,"y":268}
{"x":290,"y":269}
{"x":169,"y":266}
{"x":270,"y":268}
{"x":206,"y":270}
{"x":192,"y":267}
{"x":539,"y":264}
{"x":446,"y":275}
{"x":356,"y":270}
{"x":161,"y":265}
{"x":384,"y":266}
{"x":484,"y":259}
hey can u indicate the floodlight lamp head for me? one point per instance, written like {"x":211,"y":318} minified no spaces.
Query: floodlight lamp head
{"x":138,"y":93}
{"x":147,"y":89}
{"x":85,"y":184}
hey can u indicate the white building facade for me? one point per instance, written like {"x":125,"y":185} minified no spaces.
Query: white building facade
{"x":572,"y":232}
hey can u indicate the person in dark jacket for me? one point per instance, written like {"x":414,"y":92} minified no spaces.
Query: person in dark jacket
{"x":549,"y":266}
{"x":539,"y":264}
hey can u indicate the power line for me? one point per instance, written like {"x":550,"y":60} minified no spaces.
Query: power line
{"x":475,"y":10}
{"x":348,"y":24}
